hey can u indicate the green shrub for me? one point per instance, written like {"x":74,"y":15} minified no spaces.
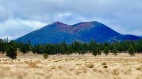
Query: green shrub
{"x":45,"y":56}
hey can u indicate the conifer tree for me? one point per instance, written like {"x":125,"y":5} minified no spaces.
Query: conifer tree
{"x":131,"y":51}
{"x":106,"y":51}
{"x":11,"y":53}
{"x":95,"y":52}
{"x":114,"y":50}
{"x":98,"y":51}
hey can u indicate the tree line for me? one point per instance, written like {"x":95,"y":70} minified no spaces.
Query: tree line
{"x":63,"y":48}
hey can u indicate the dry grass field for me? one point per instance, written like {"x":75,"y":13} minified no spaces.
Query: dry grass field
{"x":30,"y":66}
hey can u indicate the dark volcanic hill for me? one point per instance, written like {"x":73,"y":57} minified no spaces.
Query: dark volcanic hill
{"x":84,"y":32}
{"x":88,"y":31}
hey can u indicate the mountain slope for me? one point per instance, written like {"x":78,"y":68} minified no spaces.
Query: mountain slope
{"x":53,"y":33}
{"x":124,"y":38}
{"x":94,"y":31}
{"x":84,"y":32}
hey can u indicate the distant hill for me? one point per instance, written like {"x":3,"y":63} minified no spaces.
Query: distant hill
{"x":84,"y":32}
{"x":141,"y":36}
{"x":96,"y":31}
{"x":124,"y":38}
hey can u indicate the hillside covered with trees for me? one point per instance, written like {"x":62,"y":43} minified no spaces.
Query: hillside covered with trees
{"x":58,"y":32}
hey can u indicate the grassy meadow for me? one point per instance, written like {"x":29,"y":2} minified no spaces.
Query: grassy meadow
{"x":74,"y":66}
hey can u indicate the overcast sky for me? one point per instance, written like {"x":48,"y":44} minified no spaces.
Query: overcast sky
{"x":19,"y":17}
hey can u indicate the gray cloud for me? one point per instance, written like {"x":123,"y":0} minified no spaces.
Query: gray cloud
{"x":123,"y":16}
{"x":15,"y":28}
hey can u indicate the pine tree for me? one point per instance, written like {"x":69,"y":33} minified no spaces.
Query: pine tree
{"x":106,"y":51}
{"x":114,"y":50}
{"x":11,"y":53}
{"x":92,"y":44}
{"x":24,"y":49}
{"x":70,"y":50}
{"x":131,"y":51}
{"x":98,"y":51}
{"x":3,"y":47}
{"x":95,"y":52}
{"x":34,"y":49}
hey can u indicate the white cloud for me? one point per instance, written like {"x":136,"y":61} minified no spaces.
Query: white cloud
{"x":124,"y":16}
{"x":5,"y":37}
{"x":14,"y":28}
{"x":33,"y":24}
